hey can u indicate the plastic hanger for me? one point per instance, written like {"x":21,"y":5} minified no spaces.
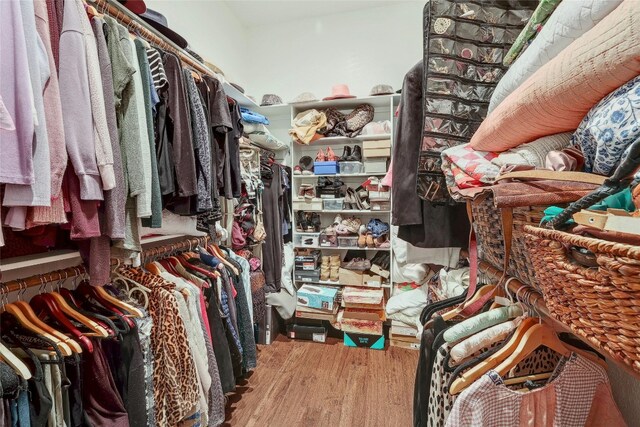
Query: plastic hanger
{"x":16,"y":364}
{"x":469,"y":377}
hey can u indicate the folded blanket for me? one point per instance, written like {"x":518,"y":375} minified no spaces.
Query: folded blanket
{"x":410,"y":302}
{"x":533,"y":153}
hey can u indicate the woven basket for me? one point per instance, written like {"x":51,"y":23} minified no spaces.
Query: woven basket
{"x":487,"y":222}
{"x":602,"y":304}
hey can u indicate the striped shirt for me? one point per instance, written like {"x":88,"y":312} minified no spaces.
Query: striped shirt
{"x":157,"y":69}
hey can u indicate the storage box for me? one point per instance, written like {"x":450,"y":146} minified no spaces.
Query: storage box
{"x":375,"y":342}
{"x":333,"y":204}
{"x":350,"y":168}
{"x":329,"y":192}
{"x":327,"y":241}
{"x":359,"y":297}
{"x":308,"y":262}
{"x":376,"y":165}
{"x":307,"y":205}
{"x":320,"y":297}
{"x":378,"y":143}
{"x":304,"y":332}
{"x":380,"y":205}
{"x":364,"y":314}
{"x":379,"y":271}
{"x":312,"y":276}
{"x":376,"y":152}
{"x":350,"y":277}
{"x":371,"y":280}
{"x":348,"y":241}
{"x":326,"y":168}
{"x":307,"y":240}
{"x":360,"y":326}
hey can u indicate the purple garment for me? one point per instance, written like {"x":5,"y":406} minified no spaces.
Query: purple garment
{"x":16,"y":100}
{"x":76,"y":102}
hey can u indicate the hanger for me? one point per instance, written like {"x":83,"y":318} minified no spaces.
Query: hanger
{"x":92,"y":10}
{"x":105,"y":297}
{"x":479,"y":294}
{"x":16,"y":364}
{"x":537,"y":336}
{"x":34,"y":327}
{"x":215,"y":250}
{"x":33,"y":318}
{"x":469,"y":377}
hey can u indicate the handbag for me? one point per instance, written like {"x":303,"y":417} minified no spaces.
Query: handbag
{"x":259,"y":233}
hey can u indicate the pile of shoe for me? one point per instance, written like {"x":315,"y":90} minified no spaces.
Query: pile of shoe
{"x":374,"y":235}
{"x":330,"y":268}
{"x":308,"y":222}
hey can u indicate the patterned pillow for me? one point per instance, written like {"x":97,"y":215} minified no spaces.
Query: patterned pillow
{"x":609,"y":128}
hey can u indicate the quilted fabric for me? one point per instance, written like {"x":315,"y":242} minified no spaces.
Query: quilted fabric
{"x":557,"y":96}
{"x":570,"y":20}
{"x":609,"y":128}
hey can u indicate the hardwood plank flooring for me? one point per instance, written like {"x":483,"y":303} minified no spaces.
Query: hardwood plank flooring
{"x":302,"y":383}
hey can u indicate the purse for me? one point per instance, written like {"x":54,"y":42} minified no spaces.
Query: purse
{"x":259,"y":233}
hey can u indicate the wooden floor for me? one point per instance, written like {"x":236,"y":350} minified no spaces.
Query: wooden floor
{"x":302,"y":383}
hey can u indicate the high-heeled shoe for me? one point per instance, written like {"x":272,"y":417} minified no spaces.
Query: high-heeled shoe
{"x":331,"y":156}
{"x":321,"y":157}
{"x":346,"y":153}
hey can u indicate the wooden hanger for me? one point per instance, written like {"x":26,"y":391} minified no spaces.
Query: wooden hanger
{"x":469,"y":377}
{"x":215,"y":250}
{"x":479,"y":293}
{"x":103,"y":295}
{"x":539,"y":335}
{"x":31,"y":315}
{"x":16,"y":364}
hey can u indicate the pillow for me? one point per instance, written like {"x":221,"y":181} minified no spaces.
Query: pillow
{"x":609,"y":128}
{"x":557,"y":96}
{"x":570,"y":20}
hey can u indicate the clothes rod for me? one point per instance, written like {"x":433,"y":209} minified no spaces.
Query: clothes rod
{"x":147,"y":256}
{"x":134,"y":22}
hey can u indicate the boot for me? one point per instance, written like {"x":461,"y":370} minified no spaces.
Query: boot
{"x":335,"y":261}
{"x":356,"y":154}
{"x":301,"y":221}
{"x":325,"y":269}
{"x":346,"y":153}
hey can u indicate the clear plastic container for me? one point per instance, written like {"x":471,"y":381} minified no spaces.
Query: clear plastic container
{"x":351,"y":168}
{"x":303,"y":240}
{"x":333,"y":204}
{"x":348,"y":241}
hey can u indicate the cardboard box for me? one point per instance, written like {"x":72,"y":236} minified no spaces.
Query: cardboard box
{"x":350,"y":277}
{"x":368,"y":298}
{"x":404,"y":344}
{"x":379,"y":143}
{"x":320,"y":297}
{"x":312,"y":276}
{"x":380,"y":272}
{"x":376,"y":152}
{"x":376,"y":165}
{"x":375,"y":342}
{"x":308,"y":262}
{"x":364,"y":314}
{"x":304,"y":332}
{"x":371,"y":280}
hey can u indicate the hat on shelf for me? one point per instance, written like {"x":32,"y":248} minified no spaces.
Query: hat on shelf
{"x":159,"y":22}
{"x":136,"y":6}
{"x":378,"y":90}
{"x":304,"y":97}
{"x":339,"y":92}
{"x":270,"y":99}
{"x":237,"y":86}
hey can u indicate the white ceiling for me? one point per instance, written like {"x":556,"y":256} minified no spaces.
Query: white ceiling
{"x":266,"y":12}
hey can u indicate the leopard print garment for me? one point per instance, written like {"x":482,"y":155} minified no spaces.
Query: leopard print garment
{"x":441,"y":402}
{"x":175,"y":382}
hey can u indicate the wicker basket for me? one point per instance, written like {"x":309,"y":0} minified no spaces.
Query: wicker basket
{"x":487,"y":222}
{"x":602,"y":304}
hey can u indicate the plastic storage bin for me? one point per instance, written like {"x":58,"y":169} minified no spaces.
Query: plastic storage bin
{"x":333,"y":204}
{"x":348,"y":241}
{"x":326,"y":168}
{"x":376,"y":165}
{"x":327,"y":241}
{"x":304,"y":240}
{"x":351,"y":168}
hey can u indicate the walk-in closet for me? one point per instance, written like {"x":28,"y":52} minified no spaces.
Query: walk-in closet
{"x":354,"y":213}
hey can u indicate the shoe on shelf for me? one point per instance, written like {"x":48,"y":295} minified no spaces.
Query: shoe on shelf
{"x":358,"y":264}
{"x":320,"y":157}
{"x":301,"y":221}
{"x":325,"y":272}
{"x":331,"y":156}
{"x":346,"y":153}
{"x":315,"y":220}
{"x":382,"y":260}
{"x":382,"y":242}
{"x":362,"y":236}
{"x":370,"y":242}
{"x":353,"y":224}
{"x":334,"y":273}
{"x":337,"y":219}
{"x":297,"y":170}
{"x":356,"y":154}
{"x":335,"y":261}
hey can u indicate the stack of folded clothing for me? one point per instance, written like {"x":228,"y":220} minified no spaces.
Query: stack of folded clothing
{"x":405,"y":307}
{"x":256,"y":130}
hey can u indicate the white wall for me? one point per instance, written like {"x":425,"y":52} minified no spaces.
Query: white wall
{"x":359,"y":48}
{"x":212,"y":30}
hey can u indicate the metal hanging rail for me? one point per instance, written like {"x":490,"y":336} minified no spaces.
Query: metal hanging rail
{"x":147,"y":255}
{"x":134,"y":23}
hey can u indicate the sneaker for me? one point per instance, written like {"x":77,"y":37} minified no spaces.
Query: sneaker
{"x":297,"y":170}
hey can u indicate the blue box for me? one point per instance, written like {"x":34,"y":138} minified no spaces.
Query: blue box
{"x":375,"y":342}
{"x":320,"y":297}
{"x":326,"y":168}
